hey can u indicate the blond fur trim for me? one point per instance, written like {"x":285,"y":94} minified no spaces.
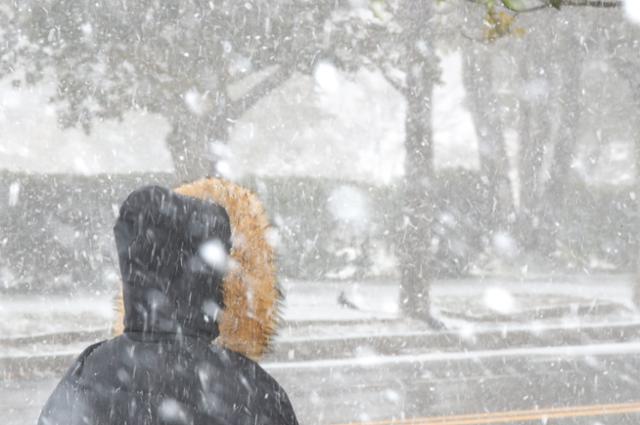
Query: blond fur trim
{"x":251,"y":293}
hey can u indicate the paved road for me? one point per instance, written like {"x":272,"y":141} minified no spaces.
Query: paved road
{"x":592,"y":384}
{"x":441,"y":387}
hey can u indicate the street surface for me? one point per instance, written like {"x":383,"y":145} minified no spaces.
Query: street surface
{"x":440,"y":387}
{"x":590,"y":384}
{"x":567,"y":354}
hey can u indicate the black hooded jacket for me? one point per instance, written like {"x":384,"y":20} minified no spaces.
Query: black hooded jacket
{"x":164,"y":369}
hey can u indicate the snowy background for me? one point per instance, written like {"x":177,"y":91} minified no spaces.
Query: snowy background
{"x":336,"y":135}
{"x":497,"y":150}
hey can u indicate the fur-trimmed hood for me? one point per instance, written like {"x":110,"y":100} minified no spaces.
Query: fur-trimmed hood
{"x":249,"y":293}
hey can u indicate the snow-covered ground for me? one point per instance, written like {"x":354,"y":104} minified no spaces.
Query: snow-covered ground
{"x":476,"y":355}
{"x":354,"y":351}
{"x":38,"y":315}
{"x":488,"y":300}
{"x":314,"y":310}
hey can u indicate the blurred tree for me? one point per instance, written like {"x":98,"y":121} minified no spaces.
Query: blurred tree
{"x":534,"y":133}
{"x":550,"y":74}
{"x":567,"y":57}
{"x":397,"y":38}
{"x":415,"y":248}
{"x":549,"y":61}
{"x":624,"y":45}
{"x":201,"y":64}
{"x":485,"y":108}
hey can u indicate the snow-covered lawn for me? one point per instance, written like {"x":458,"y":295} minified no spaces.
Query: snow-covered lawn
{"x":40,"y":315}
{"x":313,"y":310}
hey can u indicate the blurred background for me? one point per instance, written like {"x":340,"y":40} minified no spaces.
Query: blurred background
{"x":382,"y":135}
{"x":400,"y":143}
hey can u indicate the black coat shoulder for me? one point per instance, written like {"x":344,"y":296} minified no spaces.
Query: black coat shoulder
{"x":166,"y":381}
{"x":62,"y":407}
{"x":262,"y":387}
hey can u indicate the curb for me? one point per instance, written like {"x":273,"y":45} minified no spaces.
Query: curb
{"x":313,"y":349}
{"x":424,"y":341}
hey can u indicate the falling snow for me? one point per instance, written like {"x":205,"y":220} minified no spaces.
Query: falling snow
{"x":14,"y":193}
{"x":214,"y":253}
{"x":499,"y":300}
{"x":450,"y":188}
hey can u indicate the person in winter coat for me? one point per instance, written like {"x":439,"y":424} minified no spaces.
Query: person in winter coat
{"x":199,"y":301}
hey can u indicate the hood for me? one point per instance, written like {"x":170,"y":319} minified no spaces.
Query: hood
{"x":250,"y":293}
{"x":169,"y":248}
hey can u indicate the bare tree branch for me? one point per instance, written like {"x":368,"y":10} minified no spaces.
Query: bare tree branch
{"x":260,"y":90}
{"x":562,"y":3}
{"x":593,"y":3}
{"x":398,"y":86}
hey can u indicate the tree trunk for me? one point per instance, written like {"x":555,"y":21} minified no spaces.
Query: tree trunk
{"x":418,"y":209}
{"x":494,"y":163}
{"x":415,"y":233}
{"x":626,"y":64}
{"x":554,"y":202}
{"x":627,"y":68}
{"x":189,"y":143}
{"x":636,"y":286}
{"x":534,"y":133}
{"x":192,"y":134}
